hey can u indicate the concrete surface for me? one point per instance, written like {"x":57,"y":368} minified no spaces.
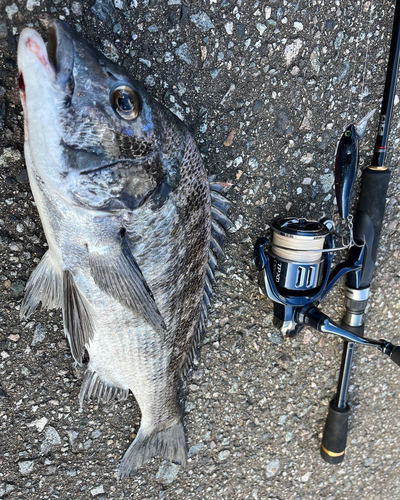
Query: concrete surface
{"x":267,"y":88}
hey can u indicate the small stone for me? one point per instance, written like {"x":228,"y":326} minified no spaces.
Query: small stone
{"x":167,"y":472}
{"x":261,"y":28}
{"x":110,"y":51}
{"x":276,"y":338}
{"x":99,"y":490}
{"x":229,"y":28}
{"x":26,"y":467}
{"x":72,"y":435}
{"x":3,"y":30}
{"x":314,"y":59}
{"x":229,"y":140}
{"x":272,"y":467}
{"x":22,"y":177}
{"x":281,"y":122}
{"x":96,"y":434}
{"x":76,"y":8}
{"x":119,"y":4}
{"x":253,"y":163}
{"x":40,"y":424}
{"x":298,"y":26}
{"x":17,"y":288}
{"x":267,"y":12}
{"x":39,"y":334}
{"x":257,"y":106}
{"x":202,"y":21}
{"x":223,"y":455}
{"x":327,"y":181}
{"x":292,"y":51}
{"x":104,"y":11}
{"x":31,"y":4}
{"x":195,"y":449}
{"x":183,"y":52}
{"x":306,"y":477}
{"x":11,"y":10}
{"x":52,"y":438}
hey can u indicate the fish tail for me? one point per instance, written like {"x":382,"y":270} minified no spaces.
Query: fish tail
{"x":168,"y":442}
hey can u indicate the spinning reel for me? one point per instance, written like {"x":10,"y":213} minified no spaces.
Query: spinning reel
{"x":294,"y":265}
{"x":295,"y":273}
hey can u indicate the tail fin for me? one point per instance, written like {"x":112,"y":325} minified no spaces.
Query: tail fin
{"x":168,"y":442}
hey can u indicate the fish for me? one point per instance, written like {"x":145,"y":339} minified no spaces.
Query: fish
{"x":134,"y":226}
{"x":346,"y":163}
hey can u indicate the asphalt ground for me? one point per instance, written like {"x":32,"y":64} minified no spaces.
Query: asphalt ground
{"x":267,"y":89}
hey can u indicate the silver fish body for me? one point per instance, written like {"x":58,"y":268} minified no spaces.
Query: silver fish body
{"x":132,"y":225}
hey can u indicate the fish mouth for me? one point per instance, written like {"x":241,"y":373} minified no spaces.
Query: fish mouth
{"x":56,"y":56}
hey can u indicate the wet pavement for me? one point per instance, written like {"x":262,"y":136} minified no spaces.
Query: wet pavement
{"x":267,"y":89}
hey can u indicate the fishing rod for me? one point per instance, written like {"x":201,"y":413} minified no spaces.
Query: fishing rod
{"x":295,"y":259}
{"x":367,"y":228}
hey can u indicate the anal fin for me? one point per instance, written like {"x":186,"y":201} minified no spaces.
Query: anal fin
{"x":93,"y":387}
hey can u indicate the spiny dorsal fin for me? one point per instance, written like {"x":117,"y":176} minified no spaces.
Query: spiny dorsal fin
{"x":219,"y":225}
{"x":118,"y":275}
{"x":45,"y":286}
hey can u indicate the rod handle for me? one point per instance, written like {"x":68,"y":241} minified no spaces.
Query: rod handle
{"x":369,"y":217}
{"x":335,"y":434}
{"x":395,"y":355}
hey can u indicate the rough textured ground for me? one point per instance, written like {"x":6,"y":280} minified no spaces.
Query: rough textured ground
{"x":267,"y":88}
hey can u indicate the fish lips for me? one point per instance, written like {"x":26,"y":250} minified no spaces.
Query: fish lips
{"x":56,"y":57}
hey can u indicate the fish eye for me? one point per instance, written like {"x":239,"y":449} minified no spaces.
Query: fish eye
{"x":347,"y":133}
{"x":126,"y":102}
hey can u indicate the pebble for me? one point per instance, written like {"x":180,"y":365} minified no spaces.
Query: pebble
{"x":52,"y":439}
{"x":195,"y":449}
{"x":292,"y":50}
{"x":3,"y":30}
{"x":314,"y":59}
{"x":99,"y":490}
{"x":39,"y":334}
{"x":167,"y":472}
{"x":11,"y":10}
{"x":272,"y":467}
{"x":183,"y":52}
{"x":223,"y":455}
{"x":26,"y":467}
{"x":17,"y":288}
{"x":31,"y":4}
{"x":202,"y":21}
{"x":40,"y":423}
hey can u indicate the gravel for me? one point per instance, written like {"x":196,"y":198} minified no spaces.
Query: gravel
{"x":267,"y":88}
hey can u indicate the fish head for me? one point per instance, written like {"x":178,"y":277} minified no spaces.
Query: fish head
{"x":91,"y":130}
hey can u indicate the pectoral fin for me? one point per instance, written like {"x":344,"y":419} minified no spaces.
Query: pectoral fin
{"x":120,"y":277}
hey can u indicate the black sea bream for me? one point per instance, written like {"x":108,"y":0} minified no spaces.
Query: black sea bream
{"x":132,"y":224}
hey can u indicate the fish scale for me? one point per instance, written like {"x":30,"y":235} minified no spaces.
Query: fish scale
{"x":126,"y":207}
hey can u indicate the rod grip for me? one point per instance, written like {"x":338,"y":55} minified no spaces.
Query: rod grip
{"x":395,"y":355}
{"x":335,"y":434}
{"x":369,"y":217}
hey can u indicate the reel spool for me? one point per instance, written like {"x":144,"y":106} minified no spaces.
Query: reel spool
{"x":296,"y":254}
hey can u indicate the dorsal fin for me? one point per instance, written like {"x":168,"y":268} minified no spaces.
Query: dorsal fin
{"x":220,"y":223}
